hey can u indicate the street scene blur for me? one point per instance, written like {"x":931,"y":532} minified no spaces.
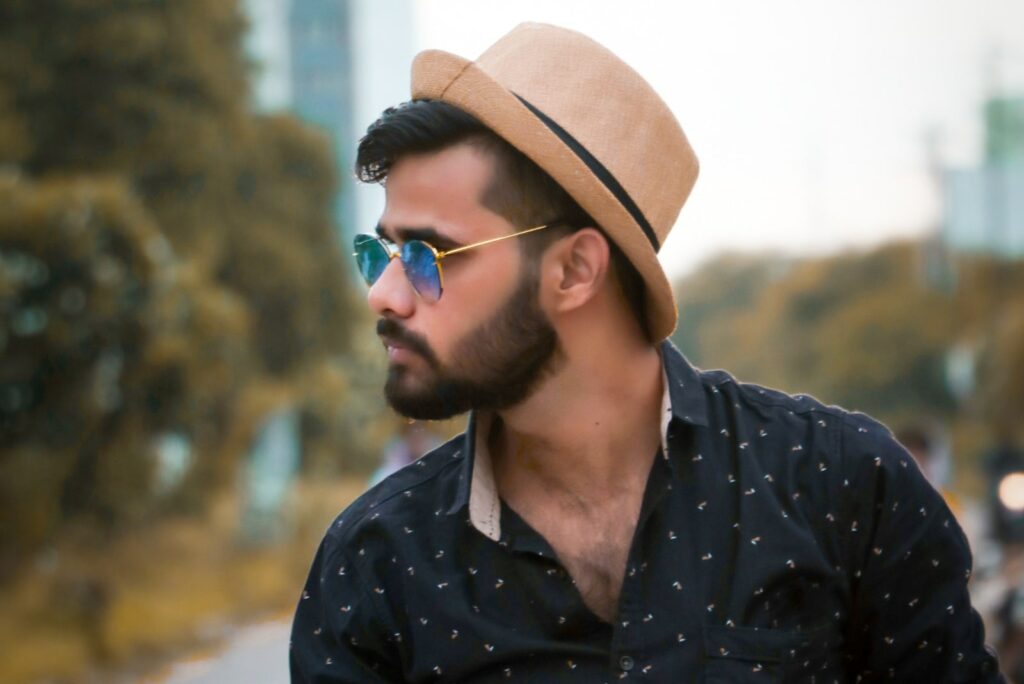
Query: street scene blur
{"x":190,"y":381}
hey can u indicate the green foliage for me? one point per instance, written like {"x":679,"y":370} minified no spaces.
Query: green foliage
{"x":724,"y":287}
{"x":106,"y":340}
{"x":154,"y":88}
{"x":863,"y":330}
{"x":164,"y":252}
{"x":245,"y":198}
{"x":1006,"y":381}
{"x":283,"y":256}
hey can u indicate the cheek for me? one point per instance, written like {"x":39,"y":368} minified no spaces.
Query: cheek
{"x":473,"y":293}
{"x":452,"y":322}
{"x":486,"y":281}
{"x":447,"y":329}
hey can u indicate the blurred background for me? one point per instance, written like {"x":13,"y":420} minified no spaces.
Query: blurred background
{"x":189,"y":378}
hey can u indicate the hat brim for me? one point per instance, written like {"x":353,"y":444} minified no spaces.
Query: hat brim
{"x":439,"y":75}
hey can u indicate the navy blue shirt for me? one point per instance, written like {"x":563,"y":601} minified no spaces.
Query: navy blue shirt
{"x":778,"y":540}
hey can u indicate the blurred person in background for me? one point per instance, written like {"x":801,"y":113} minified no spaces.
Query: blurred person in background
{"x":412,"y":441}
{"x":1004,"y":465}
{"x":929,"y":447}
{"x":1009,"y":613}
{"x":611,"y":511}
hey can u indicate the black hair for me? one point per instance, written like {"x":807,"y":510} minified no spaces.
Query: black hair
{"x":520,"y":191}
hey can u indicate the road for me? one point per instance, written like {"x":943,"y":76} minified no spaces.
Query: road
{"x":257,"y":654}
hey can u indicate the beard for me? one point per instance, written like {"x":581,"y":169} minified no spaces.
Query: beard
{"x":494,"y":367}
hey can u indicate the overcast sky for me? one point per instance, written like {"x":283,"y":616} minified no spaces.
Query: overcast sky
{"x":810,"y":118}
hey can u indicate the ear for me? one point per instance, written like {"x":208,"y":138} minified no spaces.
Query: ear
{"x":578,"y":268}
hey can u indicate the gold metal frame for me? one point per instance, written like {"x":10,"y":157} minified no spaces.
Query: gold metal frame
{"x":394,"y":252}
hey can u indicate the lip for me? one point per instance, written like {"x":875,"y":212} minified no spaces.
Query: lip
{"x":396,"y":351}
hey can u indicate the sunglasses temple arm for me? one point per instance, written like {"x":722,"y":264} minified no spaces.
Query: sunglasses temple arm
{"x":442,"y":254}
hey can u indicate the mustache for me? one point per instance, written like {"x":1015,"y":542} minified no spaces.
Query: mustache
{"x":393,"y":330}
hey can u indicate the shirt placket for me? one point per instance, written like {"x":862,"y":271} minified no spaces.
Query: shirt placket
{"x":628,"y":655}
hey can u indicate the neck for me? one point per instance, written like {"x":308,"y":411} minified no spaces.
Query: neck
{"x":592,"y":426}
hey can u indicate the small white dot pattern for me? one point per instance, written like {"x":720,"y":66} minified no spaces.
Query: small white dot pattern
{"x":779,"y":540}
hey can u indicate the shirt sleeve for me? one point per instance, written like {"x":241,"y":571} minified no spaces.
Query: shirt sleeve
{"x":909,"y":564}
{"x":337,"y":635}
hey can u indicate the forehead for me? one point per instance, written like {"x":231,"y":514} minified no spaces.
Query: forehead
{"x":442,"y":190}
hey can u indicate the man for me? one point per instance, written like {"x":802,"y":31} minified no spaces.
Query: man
{"x":611,"y":512}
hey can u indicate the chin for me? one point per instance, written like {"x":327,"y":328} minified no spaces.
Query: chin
{"x":423,"y":407}
{"x":417,"y":399}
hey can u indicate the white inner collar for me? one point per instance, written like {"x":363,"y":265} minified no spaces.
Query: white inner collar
{"x":484,"y":502}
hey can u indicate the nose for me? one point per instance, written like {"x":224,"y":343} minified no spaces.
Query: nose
{"x":392,"y":293}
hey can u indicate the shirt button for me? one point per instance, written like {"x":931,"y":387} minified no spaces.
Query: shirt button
{"x":626,"y":663}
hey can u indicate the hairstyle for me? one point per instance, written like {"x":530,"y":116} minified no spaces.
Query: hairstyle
{"x":520,"y":191}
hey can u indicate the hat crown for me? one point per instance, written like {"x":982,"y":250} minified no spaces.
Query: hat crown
{"x":593,"y":124}
{"x":604,"y":104}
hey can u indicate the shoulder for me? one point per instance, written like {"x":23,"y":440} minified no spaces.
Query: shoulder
{"x":772,"y":401}
{"x":426,"y":487}
{"x":825,"y":454}
{"x":812,"y":426}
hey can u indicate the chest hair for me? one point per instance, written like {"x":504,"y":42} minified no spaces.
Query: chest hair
{"x":594,"y":548}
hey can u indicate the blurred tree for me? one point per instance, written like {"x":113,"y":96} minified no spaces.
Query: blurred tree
{"x":1002,"y":367}
{"x":102,"y":333}
{"x":1005,"y":381}
{"x":156,"y":92}
{"x":723,"y":287}
{"x":161,"y":247}
{"x":859,"y":329}
{"x":284,"y":258}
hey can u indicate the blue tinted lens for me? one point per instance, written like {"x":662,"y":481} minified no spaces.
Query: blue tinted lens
{"x":421,"y":269}
{"x":371,"y":257}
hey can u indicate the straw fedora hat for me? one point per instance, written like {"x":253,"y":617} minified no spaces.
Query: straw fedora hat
{"x":592,"y":123}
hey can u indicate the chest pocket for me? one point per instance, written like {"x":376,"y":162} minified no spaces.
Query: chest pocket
{"x":742,"y":654}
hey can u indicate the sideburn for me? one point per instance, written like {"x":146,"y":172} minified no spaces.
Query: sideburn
{"x":511,"y":353}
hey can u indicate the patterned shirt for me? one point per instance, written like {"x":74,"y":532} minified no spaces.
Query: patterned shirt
{"x":778,"y":540}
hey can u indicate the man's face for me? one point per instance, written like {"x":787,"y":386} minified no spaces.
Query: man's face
{"x":486,"y":342}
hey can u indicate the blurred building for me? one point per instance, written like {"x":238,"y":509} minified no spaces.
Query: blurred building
{"x":337,"y":64}
{"x":320,"y":56}
{"x":983,"y":213}
{"x":984,"y":207}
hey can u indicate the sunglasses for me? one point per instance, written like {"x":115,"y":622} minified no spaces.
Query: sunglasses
{"x":420,"y":260}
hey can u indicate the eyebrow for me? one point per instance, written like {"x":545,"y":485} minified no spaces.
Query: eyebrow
{"x":426,"y":234}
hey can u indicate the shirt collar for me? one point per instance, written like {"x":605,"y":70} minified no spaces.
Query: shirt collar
{"x":686,"y":392}
{"x":683,"y":399}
